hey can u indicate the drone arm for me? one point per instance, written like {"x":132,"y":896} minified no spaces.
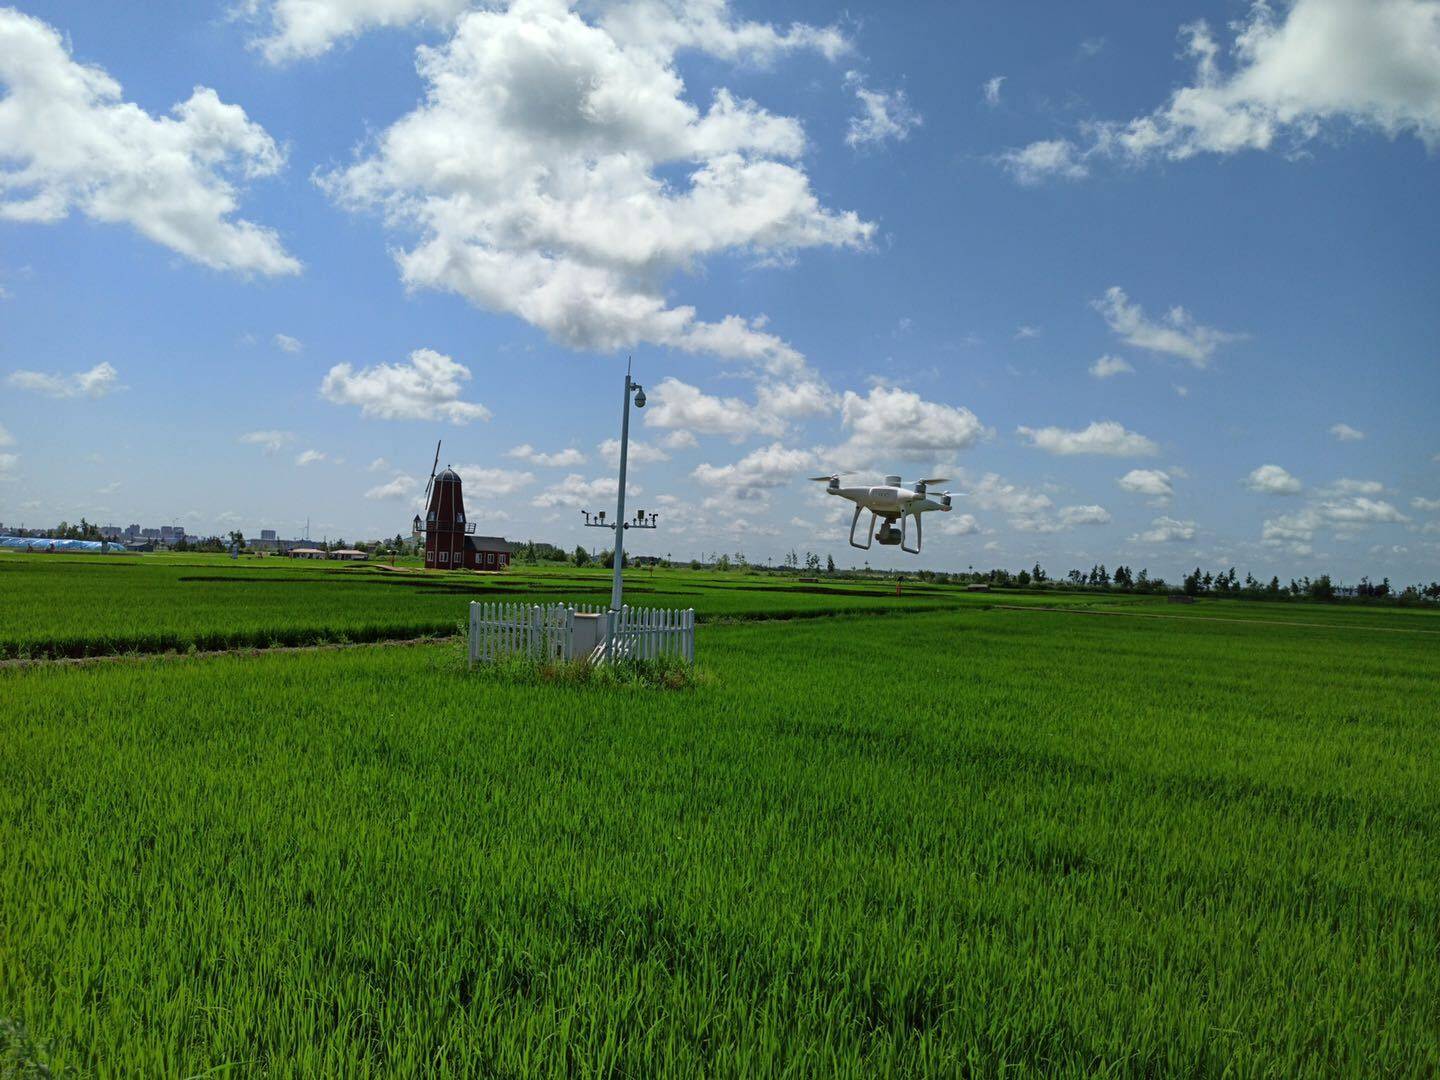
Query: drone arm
{"x":869,"y":533}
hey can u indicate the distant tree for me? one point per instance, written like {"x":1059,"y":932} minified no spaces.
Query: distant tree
{"x":1192,"y":583}
{"x":581,"y":556}
{"x":1322,"y":588}
{"x":1038,"y":574}
{"x":829,"y":564}
{"x":1273,"y":589}
{"x":1023,"y":578}
{"x":237,"y":538}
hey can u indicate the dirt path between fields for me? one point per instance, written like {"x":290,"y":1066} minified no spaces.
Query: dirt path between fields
{"x":1214,"y":618}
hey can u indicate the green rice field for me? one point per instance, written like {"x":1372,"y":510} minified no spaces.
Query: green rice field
{"x":933,"y":835}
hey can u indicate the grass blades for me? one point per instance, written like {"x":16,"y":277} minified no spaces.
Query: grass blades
{"x":946,"y":843}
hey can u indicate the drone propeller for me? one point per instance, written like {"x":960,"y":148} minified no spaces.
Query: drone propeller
{"x":824,"y":479}
{"x":934,"y":480}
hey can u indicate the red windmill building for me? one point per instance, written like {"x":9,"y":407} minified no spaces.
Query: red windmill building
{"x":450,"y":540}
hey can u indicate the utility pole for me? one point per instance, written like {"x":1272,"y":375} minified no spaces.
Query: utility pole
{"x":617,"y":588}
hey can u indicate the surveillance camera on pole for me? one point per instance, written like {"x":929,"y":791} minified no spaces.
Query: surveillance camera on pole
{"x":619,"y":524}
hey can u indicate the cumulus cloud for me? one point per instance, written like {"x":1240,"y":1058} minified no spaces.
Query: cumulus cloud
{"x":1176,"y":333}
{"x":1421,"y":503}
{"x":100,"y":380}
{"x":1165,"y":530}
{"x":1348,"y":486}
{"x":562,"y":459}
{"x":299,"y":29}
{"x":990,"y":89}
{"x":1343,"y":514}
{"x":70,"y":142}
{"x":402,"y":487}
{"x":1273,"y":480}
{"x":955,"y":524}
{"x":1109,"y":366}
{"x":6,"y":439}
{"x":309,"y":457}
{"x":890,"y":421}
{"x":680,"y":407}
{"x":1102,"y":437}
{"x":1319,"y":68}
{"x":640,"y":453}
{"x":556,"y":171}
{"x":9,"y":463}
{"x":884,"y":114}
{"x":1033,"y":164}
{"x":270,"y":441}
{"x":484,"y":481}
{"x":1153,"y":482}
{"x":576,"y":491}
{"x":1346,"y":433}
{"x":428,"y":387}
{"x":1084,"y":515}
{"x":286,"y":343}
{"x":768,"y":467}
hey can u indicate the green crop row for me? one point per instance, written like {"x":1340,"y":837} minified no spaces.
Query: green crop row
{"x":959,"y":843}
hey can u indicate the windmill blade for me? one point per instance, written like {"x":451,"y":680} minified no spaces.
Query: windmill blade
{"x":434,"y":465}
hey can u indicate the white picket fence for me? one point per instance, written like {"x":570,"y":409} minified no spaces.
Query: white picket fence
{"x":547,"y":632}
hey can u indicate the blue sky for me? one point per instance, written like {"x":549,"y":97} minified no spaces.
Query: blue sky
{"x":829,"y":237}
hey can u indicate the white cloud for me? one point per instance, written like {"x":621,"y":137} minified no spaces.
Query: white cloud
{"x":1347,"y":486}
{"x":402,"y":487}
{"x":299,"y":29}
{"x":426,"y":388}
{"x":640,"y":453}
{"x":8,"y":464}
{"x":954,"y":524}
{"x":483,"y":481}
{"x":769,"y":466}
{"x":884,"y":114}
{"x":1039,"y":161}
{"x":1108,"y":366}
{"x":1346,"y":433}
{"x":993,"y":492}
{"x":991,"y":90}
{"x":556,"y":171}
{"x":309,"y":457}
{"x":1084,"y":515}
{"x":679,"y":440}
{"x":681,"y":407}
{"x":1273,"y":480}
{"x":576,"y":491}
{"x":807,"y":396}
{"x":1419,"y":503}
{"x":269,"y":441}
{"x":1176,"y":333}
{"x":286,"y":343}
{"x":69,"y":141}
{"x":1153,"y":482}
{"x":6,"y":439}
{"x":890,"y":421}
{"x":1322,"y":67}
{"x":100,"y":380}
{"x":1344,"y":514}
{"x":1166,"y":530}
{"x":1102,"y":437}
{"x":1027,"y":333}
{"x":560,"y":459}
{"x":378,"y":465}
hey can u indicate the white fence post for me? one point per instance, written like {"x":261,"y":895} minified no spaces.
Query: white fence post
{"x":546,"y":632}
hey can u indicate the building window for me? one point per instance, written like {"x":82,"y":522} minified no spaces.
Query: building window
{"x":460,"y":519}
{"x":430,"y":517}
{"x":429,"y":558}
{"x":444,"y":556}
{"x":490,"y":559}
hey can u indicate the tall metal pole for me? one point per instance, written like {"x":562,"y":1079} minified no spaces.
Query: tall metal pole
{"x":617,"y":589}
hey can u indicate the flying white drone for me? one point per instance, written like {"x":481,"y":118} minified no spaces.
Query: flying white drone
{"x":891,"y":502}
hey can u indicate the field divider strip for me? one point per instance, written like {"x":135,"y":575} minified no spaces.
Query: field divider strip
{"x":1211,"y":618}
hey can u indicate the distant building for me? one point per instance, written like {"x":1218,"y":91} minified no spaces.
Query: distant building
{"x":132,"y":532}
{"x":172,"y":533}
{"x":307,"y":553}
{"x":150,"y":534}
{"x":349,"y":554}
{"x":268,"y":534}
{"x":110,"y":532}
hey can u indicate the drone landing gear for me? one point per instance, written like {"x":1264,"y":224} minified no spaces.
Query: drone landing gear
{"x":869,"y":533}
{"x":919,"y":538}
